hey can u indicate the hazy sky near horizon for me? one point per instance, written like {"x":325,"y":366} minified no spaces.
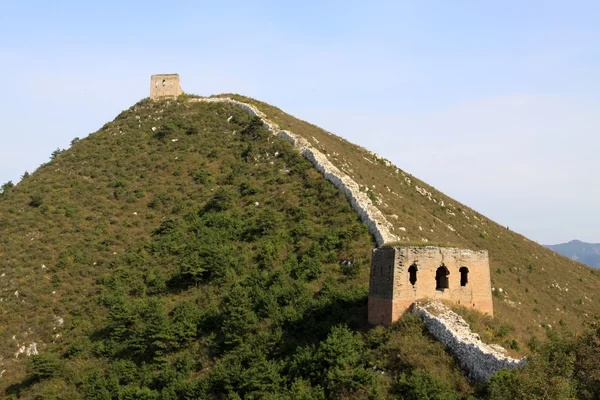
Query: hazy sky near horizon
{"x":494,"y":103}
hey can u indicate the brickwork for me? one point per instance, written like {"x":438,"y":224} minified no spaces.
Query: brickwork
{"x":164,"y":85}
{"x":438,"y":275}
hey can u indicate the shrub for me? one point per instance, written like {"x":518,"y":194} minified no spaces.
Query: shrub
{"x":42,"y":366}
{"x":336,"y":364}
{"x":351,"y":269}
{"x":4,"y":190}
{"x":307,"y":269}
{"x":203,"y":177}
{"x":36,"y":200}
{"x":422,"y":385}
{"x":221,"y":201}
{"x":56,"y":153}
{"x":164,"y":131}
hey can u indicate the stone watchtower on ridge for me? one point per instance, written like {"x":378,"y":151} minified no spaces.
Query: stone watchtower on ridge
{"x":402,"y":275}
{"x":164,"y":85}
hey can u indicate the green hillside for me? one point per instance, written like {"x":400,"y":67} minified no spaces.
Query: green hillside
{"x":539,"y":287}
{"x":182,"y":251}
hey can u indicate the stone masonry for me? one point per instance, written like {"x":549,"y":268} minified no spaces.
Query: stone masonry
{"x":402,"y":275}
{"x":164,"y":85}
{"x":480,"y":360}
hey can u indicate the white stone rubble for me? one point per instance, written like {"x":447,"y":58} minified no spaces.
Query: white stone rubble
{"x":479,"y":359}
{"x":29,"y":351}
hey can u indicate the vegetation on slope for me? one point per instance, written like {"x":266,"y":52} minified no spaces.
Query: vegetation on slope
{"x":183,"y":252}
{"x":192,"y":254}
{"x":535,"y":288}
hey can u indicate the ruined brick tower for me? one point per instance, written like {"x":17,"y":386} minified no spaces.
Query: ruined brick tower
{"x":402,"y":275}
{"x":164,"y":85}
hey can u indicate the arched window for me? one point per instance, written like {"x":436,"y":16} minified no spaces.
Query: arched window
{"x":412,"y":274}
{"x":464,"y":276}
{"x":156,"y":84}
{"x":164,"y":82}
{"x":441,"y":278}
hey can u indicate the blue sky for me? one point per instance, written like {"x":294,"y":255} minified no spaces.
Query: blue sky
{"x":494,"y":103}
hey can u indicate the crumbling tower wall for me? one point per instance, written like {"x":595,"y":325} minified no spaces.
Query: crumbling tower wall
{"x":402,"y":275}
{"x":165,"y":85}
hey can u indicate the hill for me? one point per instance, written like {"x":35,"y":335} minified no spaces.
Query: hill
{"x":182,"y":251}
{"x":585,"y":253}
{"x":535,"y":282}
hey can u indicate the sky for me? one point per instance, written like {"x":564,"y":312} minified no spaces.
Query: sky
{"x":493,"y":103}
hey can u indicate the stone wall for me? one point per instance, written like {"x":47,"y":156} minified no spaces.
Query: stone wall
{"x":378,"y":225}
{"x":164,"y":85}
{"x":386,"y":308}
{"x":479,"y":359}
{"x":391,"y":292}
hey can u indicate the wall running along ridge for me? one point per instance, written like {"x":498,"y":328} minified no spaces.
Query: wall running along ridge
{"x":378,"y":225}
{"x":479,"y":359}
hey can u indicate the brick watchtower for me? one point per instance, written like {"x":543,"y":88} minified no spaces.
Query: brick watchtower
{"x":402,"y":275}
{"x":164,"y":85}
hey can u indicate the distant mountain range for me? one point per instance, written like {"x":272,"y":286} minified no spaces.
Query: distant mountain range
{"x":586,"y":253}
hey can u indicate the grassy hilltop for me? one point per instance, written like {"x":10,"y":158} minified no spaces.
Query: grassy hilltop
{"x":184,"y":252}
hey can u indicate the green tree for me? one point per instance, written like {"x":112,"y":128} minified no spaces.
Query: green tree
{"x":42,"y":366}
{"x":423,"y":385}
{"x":5,"y":189}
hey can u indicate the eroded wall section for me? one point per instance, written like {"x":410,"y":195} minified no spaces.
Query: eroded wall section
{"x":479,"y":359}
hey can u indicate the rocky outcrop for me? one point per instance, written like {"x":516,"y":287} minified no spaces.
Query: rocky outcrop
{"x":378,"y":225}
{"x":479,"y":359}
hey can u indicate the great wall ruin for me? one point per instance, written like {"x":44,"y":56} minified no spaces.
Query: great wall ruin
{"x":400,"y":275}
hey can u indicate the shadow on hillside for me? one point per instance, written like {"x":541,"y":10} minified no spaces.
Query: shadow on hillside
{"x":316,"y":324}
{"x":15,"y":389}
{"x":178,"y":283}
